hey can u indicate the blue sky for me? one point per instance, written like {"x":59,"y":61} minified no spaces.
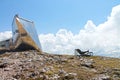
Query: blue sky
{"x":51,"y":15}
{"x":64,"y":25}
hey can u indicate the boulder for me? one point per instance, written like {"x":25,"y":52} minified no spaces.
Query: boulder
{"x":87,"y":63}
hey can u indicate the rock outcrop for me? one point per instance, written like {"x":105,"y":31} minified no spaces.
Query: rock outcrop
{"x":31,"y":65}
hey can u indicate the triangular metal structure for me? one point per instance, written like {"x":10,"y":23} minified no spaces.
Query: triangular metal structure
{"x":24,"y":35}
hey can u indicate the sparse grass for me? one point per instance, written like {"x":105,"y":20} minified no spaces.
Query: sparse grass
{"x":72,"y":64}
{"x":101,"y":63}
{"x":49,"y":73}
{"x":5,"y":55}
{"x":106,"y":62}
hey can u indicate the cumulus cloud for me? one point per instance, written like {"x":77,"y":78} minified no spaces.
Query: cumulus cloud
{"x":5,"y":35}
{"x":103,"y":39}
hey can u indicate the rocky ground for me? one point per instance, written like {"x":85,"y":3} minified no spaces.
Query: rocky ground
{"x":32,"y":65}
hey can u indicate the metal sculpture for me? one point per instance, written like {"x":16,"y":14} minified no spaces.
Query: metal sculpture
{"x":24,"y":36}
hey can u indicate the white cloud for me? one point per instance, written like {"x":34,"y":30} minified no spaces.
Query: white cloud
{"x":5,"y":35}
{"x":103,"y":39}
